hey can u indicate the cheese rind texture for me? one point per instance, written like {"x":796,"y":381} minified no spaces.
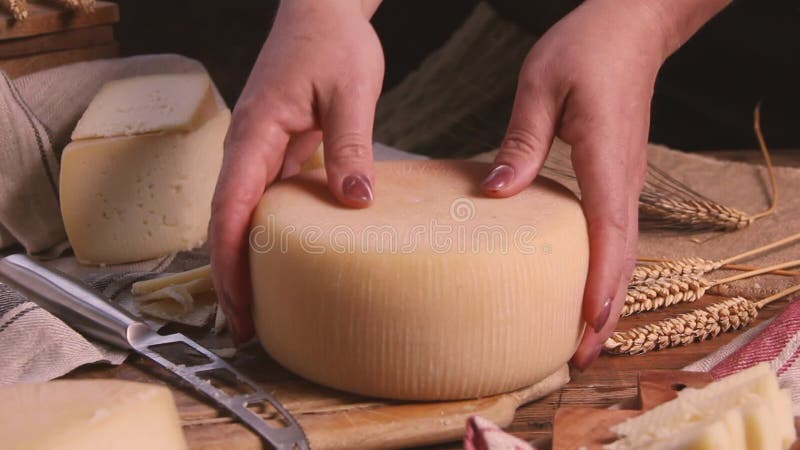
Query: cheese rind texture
{"x":433,"y":292}
{"x":147,"y":104}
{"x":89,"y":414}
{"x":133,"y":198}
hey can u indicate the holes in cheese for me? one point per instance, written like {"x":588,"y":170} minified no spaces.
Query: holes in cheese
{"x":89,"y":414}
{"x":434,"y":292}
{"x":147,"y":104}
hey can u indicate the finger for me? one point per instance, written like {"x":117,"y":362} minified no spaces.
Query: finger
{"x":300,"y":148}
{"x":527,"y":140}
{"x":252,"y":161}
{"x":601,"y":169}
{"x":592,"y":341}
{"x":347,"y":123}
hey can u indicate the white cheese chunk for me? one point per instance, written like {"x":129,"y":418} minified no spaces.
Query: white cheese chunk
{"x":133,"y":198}
{"x":89,"y":414}
{"x":433,"y":292}
{"x":147,"y":104}
{"x":755,"y":413}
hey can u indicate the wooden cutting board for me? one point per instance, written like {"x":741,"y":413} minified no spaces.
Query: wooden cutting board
{"x":332,"y":420}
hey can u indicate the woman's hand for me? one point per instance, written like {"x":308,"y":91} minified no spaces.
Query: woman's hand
{"x":590,"y":80}
{"x":319,"y":74}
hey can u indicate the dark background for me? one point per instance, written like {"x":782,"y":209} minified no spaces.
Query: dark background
{"x":704,"y":96}
{"x":226,"y":36}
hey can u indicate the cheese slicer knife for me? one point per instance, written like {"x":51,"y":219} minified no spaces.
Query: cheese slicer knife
{"x":87,"y":312}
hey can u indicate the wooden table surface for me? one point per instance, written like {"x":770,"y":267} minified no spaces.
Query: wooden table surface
{"x":611,"y":379}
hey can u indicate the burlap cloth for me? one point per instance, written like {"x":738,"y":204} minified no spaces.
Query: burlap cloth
{"x":41,"y":109}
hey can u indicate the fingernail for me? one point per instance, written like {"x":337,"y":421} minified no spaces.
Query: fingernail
{"x":582,"y":364}
{"x":602,"y":316}
{"x":357,"y":188}
{"x":500,"y":177}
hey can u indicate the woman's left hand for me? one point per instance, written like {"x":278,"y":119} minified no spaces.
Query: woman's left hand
{"x":590,"y":80}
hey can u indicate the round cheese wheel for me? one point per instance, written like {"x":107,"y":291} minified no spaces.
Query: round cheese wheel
{"x":434,"y":292}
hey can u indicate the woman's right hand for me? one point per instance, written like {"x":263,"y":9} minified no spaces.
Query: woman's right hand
{"x":319,"y":74}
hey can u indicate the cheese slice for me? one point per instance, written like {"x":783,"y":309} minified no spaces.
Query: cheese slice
{"x":133,"y":198}
{"x":147,"y":104}
{"x":433,"y":292}
{"x":89,"y":414}
{"x":714,"y":435}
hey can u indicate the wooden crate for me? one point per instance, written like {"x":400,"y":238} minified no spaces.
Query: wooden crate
{"x":52,"y":36}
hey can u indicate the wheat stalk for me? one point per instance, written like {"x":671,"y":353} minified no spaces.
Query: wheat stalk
{"x":695,"y":326}
{"x":17,"y":8}
{"x":698,"y":325}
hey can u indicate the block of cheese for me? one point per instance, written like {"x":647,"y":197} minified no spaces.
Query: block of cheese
{"x":755,"y":412}
{"x":89,"y":414}
{"x":434,"y":292}
{"x":148,"y":104}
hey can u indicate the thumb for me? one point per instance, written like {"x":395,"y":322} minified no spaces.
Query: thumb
{"x":526,"y":143}
{"x":347,"y":120}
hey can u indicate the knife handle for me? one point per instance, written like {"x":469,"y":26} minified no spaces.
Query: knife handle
{"x":71,"y":301}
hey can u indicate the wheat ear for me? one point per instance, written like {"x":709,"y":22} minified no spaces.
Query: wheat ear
{"x":694,"y":213}
{"x":671,"y":268}
{"x":666,"y":202}
{"x":17,"y":8}
{"x":82,"y":5}
{"x":656,"y":293}
{"x":663,"y":292}
{"x":698,"y":325}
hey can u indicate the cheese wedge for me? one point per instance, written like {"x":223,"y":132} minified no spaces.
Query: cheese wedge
{"x":89,"y":414}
